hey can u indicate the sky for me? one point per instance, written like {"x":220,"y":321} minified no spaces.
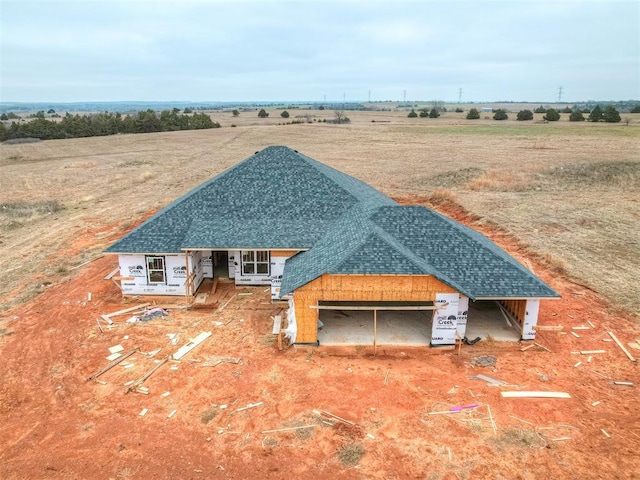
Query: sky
{"x":319,"y":50}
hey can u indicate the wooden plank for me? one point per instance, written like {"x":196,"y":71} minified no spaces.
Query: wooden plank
{"x":190,"y":345}
{"x":127,"y":310}
{"x":112,"y":273}
{"x":288,"y":429}
{"x":548,"y":328}
{"x":277,"y":324}
{"x":622,"y":347}
{"x":534,"y":394}
{"x":591,"y":352}
{"x":142,"y":379}
{"x":575,"y":334}
{"x":112,"y":364}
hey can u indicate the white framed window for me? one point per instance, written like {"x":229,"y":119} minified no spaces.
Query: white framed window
{"x":255,"y":262}
{"x":156,"y":270}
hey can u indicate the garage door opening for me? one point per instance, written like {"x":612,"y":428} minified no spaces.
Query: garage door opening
{"x":404,"y":323}
{"x":375,"y":323}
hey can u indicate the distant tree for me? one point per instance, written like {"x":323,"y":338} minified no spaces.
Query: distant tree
{"x":576,"y":117}
{"x":524,"y":115}
{"x":340,"y":117}
{"x":611,"y":115}
{"x":412,"y":114}
{"x":3,"y":132}
{"x":566,"y":110}
{"x":50,"y":111}
{"x":552,"y":115}
{"x":424,"y":113}
{"x":596,"y":114}
{"x":459,"y":110}
{"x":321,"y":107}
{"x":235,"y":113}
{"x":188,"y":110}
{"x":434,"y":113}
{"x":500,"y":114}
{"x":4,"y":116}
{"x":540,"y":109}
{"x":473,"y":114}
{"x":284,"y":114}
{"x":262,"y":113}
{"x":635,"y":109}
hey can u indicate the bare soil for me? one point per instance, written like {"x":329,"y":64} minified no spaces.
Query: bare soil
{"x":56,"y":424}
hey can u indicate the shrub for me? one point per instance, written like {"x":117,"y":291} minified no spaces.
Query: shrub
{"x":434,"y":113}
{"x":552,"y":115}
{"x":576,"y":117}
{"x":459,"y":110}
{"x":351,"y":454}
{"x":500,"y":114}
{"x":424,"y":113}
{"x":262,"y":113}
{"x":540,"y":109}
{"x":524,"y":115}
{"x":567,"y":110}
{"x":235,"y":113}
{"x":596,"y":114}
{"x":412,"y":114}
{"x":284,"y":114}
{"x":473,"y":114}
{"x":611,"y":115}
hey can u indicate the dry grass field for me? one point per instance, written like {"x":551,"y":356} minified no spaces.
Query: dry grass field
{"x":567,"y":190}
{"x":561,"y":197}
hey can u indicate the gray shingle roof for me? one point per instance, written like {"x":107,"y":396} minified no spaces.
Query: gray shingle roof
{"x":281,"y":199}
{"x":277,"y":198}
{"x":418,"y":241}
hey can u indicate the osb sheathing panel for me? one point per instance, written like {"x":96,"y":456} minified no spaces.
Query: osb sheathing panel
{"x":359,"y":288}
{"x":283,"y":253}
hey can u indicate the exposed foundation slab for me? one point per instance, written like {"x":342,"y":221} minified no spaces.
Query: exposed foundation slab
{"x":410,"y":328}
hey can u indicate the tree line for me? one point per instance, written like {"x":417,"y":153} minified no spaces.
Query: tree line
{"x":101,"y":124}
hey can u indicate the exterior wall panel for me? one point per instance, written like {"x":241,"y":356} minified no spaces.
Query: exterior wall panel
{"x":364,"y":288}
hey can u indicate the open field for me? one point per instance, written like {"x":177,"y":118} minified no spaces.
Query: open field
{"x":561,"y":197}
{"x":567,"y":190}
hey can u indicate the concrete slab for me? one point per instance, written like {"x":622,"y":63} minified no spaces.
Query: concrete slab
{"x":410,"y":328}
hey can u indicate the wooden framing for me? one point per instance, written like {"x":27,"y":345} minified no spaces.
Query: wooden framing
{"x":360,"y":288}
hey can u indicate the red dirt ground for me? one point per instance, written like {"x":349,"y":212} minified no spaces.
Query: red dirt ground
{"x":55,"y":424}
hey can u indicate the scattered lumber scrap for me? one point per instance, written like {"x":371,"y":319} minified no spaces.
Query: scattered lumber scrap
{"x":490,"y":380}
{"x":250,"y":405}
{"x":107,"y":316}
{"x":190,"y":345}
{"x":138,"y":383}
{"x":622,"y":347}
{"x":627,"y":384}
{"x":331,"y":416}
{"x":112,"y":364}
{"x":288,"y":429}
{"x":534,"y":394}
{"x":548,"y":328}
{"x":591,"y":352}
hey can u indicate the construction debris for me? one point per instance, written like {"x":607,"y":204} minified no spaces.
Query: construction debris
{"x":112,"y":364}
{"x":534,"y":394}
{"x":138,"y":383}
{"x":484,"y":361}
{"x":250,"y":405}
{"x":622,"y":347}
{"x":288,"y":429}
{"x":331,"y":416}
{"x":190,"y":345}
{"x":490,"y":380}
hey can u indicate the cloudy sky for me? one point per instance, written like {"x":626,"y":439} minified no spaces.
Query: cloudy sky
{"x":223,"y":50}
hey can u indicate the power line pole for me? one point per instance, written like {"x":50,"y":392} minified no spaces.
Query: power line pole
{"x":560,"y":93}
{"x":369,"y":96}
{"x":459,"y":95}
{"x":404,"y":96}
